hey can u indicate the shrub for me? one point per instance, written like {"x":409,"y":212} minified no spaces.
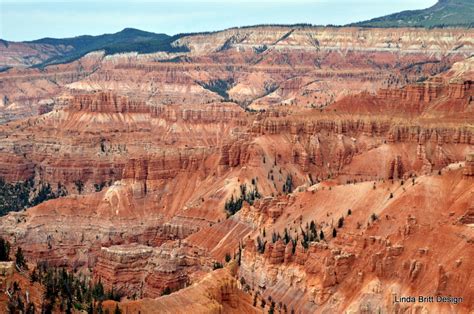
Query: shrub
{"x":217,"y":265}
{"x":166,"y":291}
{"x":99,"y":186}
{"x":374,"y":217}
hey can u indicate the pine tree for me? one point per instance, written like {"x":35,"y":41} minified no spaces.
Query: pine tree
{"x":261,"y":245}
{"x":98,"y":291}
{"x":117,"y":309}
{"x":34,"y":276}
{"x":272,"y":308}
{"x":4,"y":250}
{"x":20,"y":259}
{"x":321,"y":235}
{"x":79,"y":186}
{"x":374,"y":217}
{"x":340,"y":222}
{"x":334,"y":232}
{"x":30,"y":308}
{"x":45,"y":193}
{"x":90,"y":308}
{"x":286,"y":237}
{"x":99,"y":308}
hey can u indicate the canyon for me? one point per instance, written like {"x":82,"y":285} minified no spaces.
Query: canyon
{"x":351,"y":151}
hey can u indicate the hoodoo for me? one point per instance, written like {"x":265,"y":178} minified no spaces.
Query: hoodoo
{"x":269,"y":168}
{"x":469,"y":167}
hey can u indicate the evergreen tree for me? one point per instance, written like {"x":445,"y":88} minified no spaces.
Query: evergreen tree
{"x":334,"y":232}
{"x":261,"y":245}
{"x":4,"y":250}
{"x":340,"y":222}
{"x":79,"y":186}
{"x":14,"y":196}
{"x":90,"y":308}
{"x":45,"y":193}
{"x":374,"y":217}
{"x":304,"y":244}
{"x":99,"y":308}
{"x":117,"y":309}
{"x":98,"y":291}
{"x":286,"y":236}
{"x":61,"y":190}
{"x":20,"y":259}
{"x":34,"y":276}
{"x":313,"y":233}
{"x":30,"y":308}
{"x":288,"y":185}
{"x":272,"y":308}
{"x":275,"y":237}
{"x":321,"y":235}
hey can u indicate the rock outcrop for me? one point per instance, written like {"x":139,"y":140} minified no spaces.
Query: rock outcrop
{"x":469,"y":167}
{"x":324,"y":169}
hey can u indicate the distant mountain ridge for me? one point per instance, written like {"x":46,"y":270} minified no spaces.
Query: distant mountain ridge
{"x":444,"y":13}
{"x":127,"y":40}
{"x":48,"y":51}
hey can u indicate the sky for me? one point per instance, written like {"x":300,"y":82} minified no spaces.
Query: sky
{"x":29,"y":19}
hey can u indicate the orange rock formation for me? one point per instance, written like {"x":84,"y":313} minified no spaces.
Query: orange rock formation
{"x":325,"y":124}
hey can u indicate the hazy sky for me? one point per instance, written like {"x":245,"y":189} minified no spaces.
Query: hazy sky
{"x":29,"y":19}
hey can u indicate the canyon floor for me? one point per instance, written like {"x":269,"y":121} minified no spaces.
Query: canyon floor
{"x":289,"y":169}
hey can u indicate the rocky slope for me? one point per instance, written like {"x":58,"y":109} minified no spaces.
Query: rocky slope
{"x":393,"y":251}
{"x":156,"y":152}
{"x":47,"y":51}
{"x":217,"y":292}
{"x":258,"y":66}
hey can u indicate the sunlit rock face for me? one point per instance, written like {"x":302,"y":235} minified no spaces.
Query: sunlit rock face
{"x":373,"y":126}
